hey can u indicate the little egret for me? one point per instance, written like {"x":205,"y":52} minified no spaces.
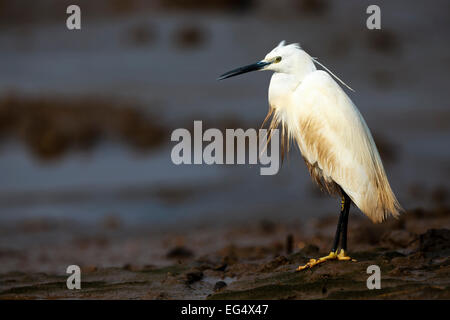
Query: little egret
{"x":332,"y":136}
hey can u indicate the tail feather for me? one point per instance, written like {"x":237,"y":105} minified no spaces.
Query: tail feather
{"x":382,"y":203}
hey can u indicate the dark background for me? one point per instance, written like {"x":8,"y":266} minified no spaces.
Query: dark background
{"x":86,"y":116}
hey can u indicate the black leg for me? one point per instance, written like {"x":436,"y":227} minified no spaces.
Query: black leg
{"x":339,"y":226}
{"x":346,"y":211}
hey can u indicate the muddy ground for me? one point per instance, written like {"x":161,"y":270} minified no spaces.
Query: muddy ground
{"x":253,"y":260}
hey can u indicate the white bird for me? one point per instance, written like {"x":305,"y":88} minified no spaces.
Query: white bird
{"x":332,"y":136}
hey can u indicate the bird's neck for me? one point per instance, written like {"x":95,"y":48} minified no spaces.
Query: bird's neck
{"x":281,"y":87}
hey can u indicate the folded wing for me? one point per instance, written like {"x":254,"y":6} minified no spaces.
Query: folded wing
{"x":338,"y":146}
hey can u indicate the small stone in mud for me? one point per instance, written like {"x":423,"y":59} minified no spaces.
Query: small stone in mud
{"x":219,"y":285}
{"x":193,"y":276}
{"x":289,"y":243}
{"x":220,"y":267}
{"x":180,"y":253}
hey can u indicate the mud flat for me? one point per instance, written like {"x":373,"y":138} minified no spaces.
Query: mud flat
{"x":250,"y":261}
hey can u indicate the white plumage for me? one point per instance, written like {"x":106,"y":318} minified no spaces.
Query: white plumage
{"x":332,"y":135}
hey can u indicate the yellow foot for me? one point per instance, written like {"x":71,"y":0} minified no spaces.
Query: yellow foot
{"x":332,"y":256}
{"x":344,"y":257}
{"x":313,"y":262}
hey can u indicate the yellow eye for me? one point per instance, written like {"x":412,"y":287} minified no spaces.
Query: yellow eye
{"x":277,"y":59}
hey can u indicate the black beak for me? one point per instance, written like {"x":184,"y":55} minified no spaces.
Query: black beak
{"x":245,"y":69}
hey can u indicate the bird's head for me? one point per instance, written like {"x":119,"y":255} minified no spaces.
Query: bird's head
{"x":283,"y":58}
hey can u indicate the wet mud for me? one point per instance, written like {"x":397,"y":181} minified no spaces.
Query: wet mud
{"x":258,"y":261}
